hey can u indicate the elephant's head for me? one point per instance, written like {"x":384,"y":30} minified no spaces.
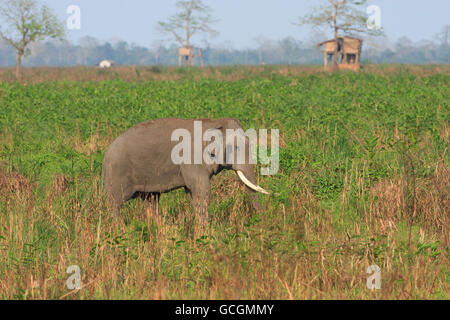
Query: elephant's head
{"x":236,"y":155}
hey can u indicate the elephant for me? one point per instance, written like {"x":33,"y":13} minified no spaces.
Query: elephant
{"x":139,"y":163}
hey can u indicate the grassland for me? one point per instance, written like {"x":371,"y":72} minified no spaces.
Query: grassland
{"x":364,"y":179}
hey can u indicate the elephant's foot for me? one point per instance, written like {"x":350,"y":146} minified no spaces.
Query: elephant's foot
{"x":201,"y":225}
{"x":195,"y":227}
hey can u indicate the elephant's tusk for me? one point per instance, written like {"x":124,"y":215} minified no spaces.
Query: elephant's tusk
{"x":249,"y":184}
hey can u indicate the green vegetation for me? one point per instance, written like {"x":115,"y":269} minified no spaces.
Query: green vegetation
{"x":364,"y":179}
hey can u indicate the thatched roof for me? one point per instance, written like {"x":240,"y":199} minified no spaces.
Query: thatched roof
{"x":339,"y":39}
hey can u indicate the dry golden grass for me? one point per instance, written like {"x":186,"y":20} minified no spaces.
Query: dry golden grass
{"x":225,"y":73}
{"x":295,"y":252}
{"x":13,"y":183}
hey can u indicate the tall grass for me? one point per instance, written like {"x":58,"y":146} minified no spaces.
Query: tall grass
{"x":364,"y":180}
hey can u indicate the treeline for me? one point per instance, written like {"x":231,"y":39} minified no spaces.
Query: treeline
{"x":89,"y":52}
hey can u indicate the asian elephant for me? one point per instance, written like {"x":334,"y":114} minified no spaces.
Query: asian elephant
{"x":139,"y":163}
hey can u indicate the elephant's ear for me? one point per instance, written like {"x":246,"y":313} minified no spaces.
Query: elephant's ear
{"x":221,"y":128}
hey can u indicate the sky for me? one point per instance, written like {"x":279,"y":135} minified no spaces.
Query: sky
{"x":241,"y":22}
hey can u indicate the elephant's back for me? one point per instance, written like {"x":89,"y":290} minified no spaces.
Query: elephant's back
{"x":143,"y":147}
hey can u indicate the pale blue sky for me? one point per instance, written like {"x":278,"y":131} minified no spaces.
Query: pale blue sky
{"x":242,"y":21}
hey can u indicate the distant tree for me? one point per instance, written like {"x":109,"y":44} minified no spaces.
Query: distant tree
{"x":157,"y":47}
{"x":194,"y":17}
{"x":444,"y":48}
{"x":121,"y":53}
{"x":88,"y":42}
{"x":374,"y":46}
{"x":404,"y":43}
{"x":290,"y":49}
{"x":442,"y":36}
{"x":105,"y":52}
{"x":27,"y":22}
{"x":343,"y":18}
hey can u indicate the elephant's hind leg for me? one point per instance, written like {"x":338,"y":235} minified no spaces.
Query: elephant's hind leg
{"x":116,"y":197}
{"x":153,"y":200}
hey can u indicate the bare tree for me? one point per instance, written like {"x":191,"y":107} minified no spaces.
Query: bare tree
{"x":157,"y":47}
{"x":27,"y":22}
{"x":442,"y":36}
{"x":194,"y":17}
{"x":342,"y":17}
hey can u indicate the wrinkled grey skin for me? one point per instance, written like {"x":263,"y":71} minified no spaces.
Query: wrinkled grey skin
{"x":138,"y":164}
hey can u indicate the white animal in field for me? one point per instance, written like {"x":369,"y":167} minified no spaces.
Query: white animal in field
{"x":106,"y":64}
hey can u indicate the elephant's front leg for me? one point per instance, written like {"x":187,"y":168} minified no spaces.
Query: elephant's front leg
{"x":200,"y":202}
{"x":199,"y":189}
